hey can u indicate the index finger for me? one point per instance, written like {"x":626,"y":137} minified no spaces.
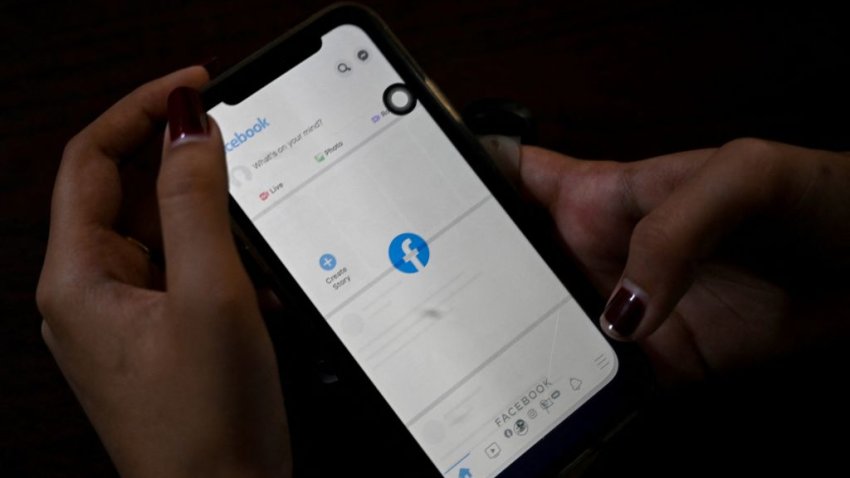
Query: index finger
{"x":556,"y":180}
{"x":87,"y":190}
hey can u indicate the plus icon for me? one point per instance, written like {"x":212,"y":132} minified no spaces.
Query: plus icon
{"x":327,"y":262}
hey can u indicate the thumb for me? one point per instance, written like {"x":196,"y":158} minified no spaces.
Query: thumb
{"x":738,"y":182}
{"x":200,"y":253}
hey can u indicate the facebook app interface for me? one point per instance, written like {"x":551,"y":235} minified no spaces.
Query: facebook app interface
{"x":467,"y":333}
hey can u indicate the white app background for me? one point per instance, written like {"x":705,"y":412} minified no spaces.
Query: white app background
{"x":480,"y":350}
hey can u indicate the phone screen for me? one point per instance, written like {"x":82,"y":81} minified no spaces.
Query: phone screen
{"x":471,"y":338}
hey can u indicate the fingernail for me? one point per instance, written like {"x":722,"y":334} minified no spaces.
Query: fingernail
{"x":625,"y":309}
{"x":186,"y":115}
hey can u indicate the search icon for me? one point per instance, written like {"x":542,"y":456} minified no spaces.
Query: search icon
{"x":343,"y":67}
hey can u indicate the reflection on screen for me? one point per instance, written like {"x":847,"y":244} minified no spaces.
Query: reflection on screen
{"x":473,"y":341}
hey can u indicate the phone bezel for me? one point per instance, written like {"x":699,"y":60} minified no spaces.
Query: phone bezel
{"x":585,"y":428}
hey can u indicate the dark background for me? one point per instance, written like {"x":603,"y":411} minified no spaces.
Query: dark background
{"x":605,"y":79}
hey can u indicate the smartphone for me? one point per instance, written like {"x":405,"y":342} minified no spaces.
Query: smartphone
{"x":356,"y":187}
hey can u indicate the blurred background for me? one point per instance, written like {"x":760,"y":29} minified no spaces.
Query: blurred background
{"x":605,"y":79}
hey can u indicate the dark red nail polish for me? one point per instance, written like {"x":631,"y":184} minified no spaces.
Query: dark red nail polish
{"x":186,"y":115}
{"x":625,"y":311}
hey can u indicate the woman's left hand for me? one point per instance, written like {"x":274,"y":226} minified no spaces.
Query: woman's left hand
{"x":175,"y":369}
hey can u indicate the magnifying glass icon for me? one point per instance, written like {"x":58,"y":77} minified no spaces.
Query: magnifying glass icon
{"x":343,"y":67}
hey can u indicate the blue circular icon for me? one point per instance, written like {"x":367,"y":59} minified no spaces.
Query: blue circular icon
{"x":327,"y":262}
{"x":409,"y":253}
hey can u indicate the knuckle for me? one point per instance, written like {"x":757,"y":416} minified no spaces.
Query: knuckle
{"x":750,"y":145}
{"x":47,"y":335}
{"x":754,"y":153}
{"x":74,"y":148}
{"x":656,"y":243}
{"x":626,"y":179}
{"x":53,"y":299}
{"x":44,"y":297}
{"x":49,"y":298}
{"x":189,"y":171}
{"x":769,"y":167}
{"x":652,"y":236}
{"x":189,"y":183}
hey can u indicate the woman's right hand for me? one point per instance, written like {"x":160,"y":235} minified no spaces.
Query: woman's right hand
{"x":713,"y":259}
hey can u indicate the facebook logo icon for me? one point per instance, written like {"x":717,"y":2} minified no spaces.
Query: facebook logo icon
{"x":409,"y":253}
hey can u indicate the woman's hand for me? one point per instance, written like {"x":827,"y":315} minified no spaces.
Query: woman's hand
{"x":175,"y":370}
{"x":717,"y":258}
